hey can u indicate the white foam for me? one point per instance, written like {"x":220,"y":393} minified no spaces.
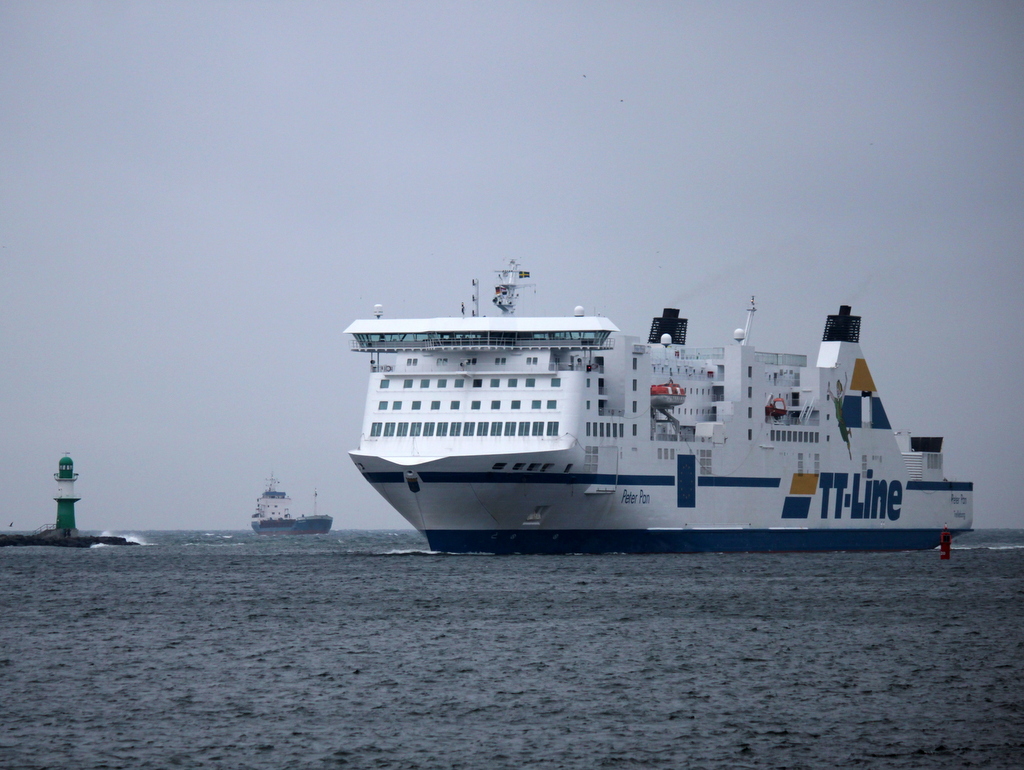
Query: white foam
{"x":137,"y":539}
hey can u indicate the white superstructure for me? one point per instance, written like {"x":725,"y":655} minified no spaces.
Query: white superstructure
{"x":563,"y":434}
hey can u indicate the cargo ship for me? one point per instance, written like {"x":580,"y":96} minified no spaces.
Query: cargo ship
{"x":273,"y":515}
{"x":564,"y":435}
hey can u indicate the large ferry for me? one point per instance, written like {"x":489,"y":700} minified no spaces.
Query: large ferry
{"x":563,"y":435}
{"x":274,"y":517}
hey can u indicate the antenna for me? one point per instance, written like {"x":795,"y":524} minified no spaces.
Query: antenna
{"x":750,"y":321}
{"x":506,"y":293}
{"x":476,"y":298}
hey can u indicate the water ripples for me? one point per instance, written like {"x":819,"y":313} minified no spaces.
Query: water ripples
{"x":363,"y":650}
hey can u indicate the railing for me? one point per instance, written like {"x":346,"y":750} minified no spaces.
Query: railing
{"x":780,"y":359}
{"x":44,"y":528}
{"x":605,"y":412}
{"x":485,"y":341}
{"x":699,"y":354}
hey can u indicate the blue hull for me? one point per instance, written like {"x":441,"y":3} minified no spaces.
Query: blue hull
{"x":296,"y":527}
{"x":681,"y":541}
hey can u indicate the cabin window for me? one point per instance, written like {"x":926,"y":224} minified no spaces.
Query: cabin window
{"x":556,"y":382}
{"x":495,"y":383}
{"x":468,"y":428}
{"x":513,"y":382}
{"x":634,"y":384}
{"x":455,"y":405}
{"x":524,"y":429}
{"x":704,"y":459}
{"x":396,"y":405}
{"x":459,"y":383}
{"x":389,"y":429}
{"x":403,"y":429}
{"x":407,"y":384}
{"x":481,"y":428}
{"x":456,"y":428}
{"x":531,"y":382}
{"x":553,"y":430}
{"x":588,"y":428}
{"x":442,"y":429}
{"x":416,"y":405}
{"x":510,"y":429}
{"x":442,"y":383}
{"x":535,"y":404}
{"x":498,"y":466}
{"x":375,"y":429}
{"x":518,"y":466}
{"x":634,"y":406}
{"x":552,"y":404}
{"x":385,"y":384}
{"x":516,"y":404}
{"x":428,"y":429}
{"x":435,"y":404}
{"x":496,"y":428}
{"x":634,"y":428}
{"x":634,"y":369}
{"x":474,"y":404}
{"x":495,"y":405}
{"x":424,"y":383}
{"x":478,"y":383}
{"x":383,"y":405}
{"x":415,"y":428}
{"x":538,"y":429}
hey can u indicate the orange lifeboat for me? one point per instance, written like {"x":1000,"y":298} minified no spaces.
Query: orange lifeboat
{"x":775,"y":408}
{"x":668,"y":394}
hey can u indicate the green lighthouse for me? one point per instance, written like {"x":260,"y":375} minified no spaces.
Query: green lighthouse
{"x":65,"y":498}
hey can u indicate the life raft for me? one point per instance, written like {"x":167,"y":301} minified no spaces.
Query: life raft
{"x":775,"y":408}
{"x":668,"y":394}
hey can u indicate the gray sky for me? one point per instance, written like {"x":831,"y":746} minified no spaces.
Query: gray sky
{"x":196,"y":198}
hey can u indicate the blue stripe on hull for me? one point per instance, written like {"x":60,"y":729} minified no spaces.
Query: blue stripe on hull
{"x":680,"y":541}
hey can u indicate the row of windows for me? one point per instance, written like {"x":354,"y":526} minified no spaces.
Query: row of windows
{"x":801,"y":436}
{"x":456,"y":405}
{"x":605,"y":429}
{"x":510,"y":428}
{"x":495,"y":382}
{"x":542,"y":467}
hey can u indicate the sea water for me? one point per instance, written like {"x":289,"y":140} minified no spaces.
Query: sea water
{"x":362,"y":649}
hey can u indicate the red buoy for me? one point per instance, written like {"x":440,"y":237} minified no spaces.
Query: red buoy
{"x":945,"y":542}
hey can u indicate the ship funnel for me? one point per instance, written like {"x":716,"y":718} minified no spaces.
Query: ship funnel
{"x":669,"y":323}
{"x":842,"y":327}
